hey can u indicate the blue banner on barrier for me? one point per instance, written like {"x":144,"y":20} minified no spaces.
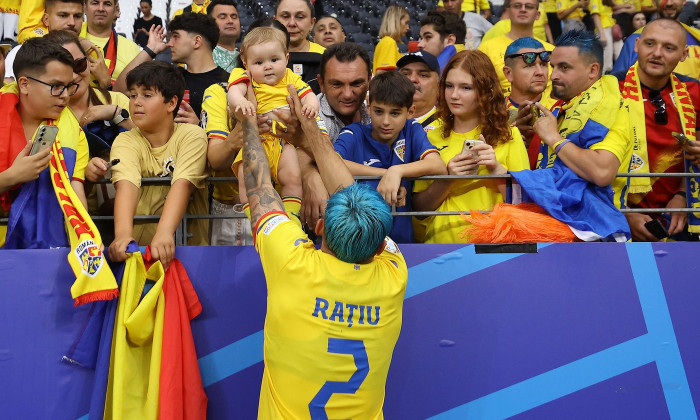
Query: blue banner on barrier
{"x":574,"y":331}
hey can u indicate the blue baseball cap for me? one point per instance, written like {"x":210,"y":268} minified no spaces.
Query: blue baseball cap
{"x":420,"y":57}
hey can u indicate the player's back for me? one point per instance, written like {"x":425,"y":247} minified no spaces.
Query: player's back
{"x":330,"y":329}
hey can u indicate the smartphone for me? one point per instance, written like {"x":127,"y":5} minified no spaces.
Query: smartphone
{"x":657,"y":228}
{"x":43,"y":139}
{"x":681,"y":138}
{"x":469,"y":144}
{"x":535,"y":113}
{"x":512,"y":115}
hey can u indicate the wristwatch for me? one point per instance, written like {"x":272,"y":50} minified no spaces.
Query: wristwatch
{"x":121,"y":116}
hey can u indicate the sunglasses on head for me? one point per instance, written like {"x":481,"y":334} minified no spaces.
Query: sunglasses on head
{"x":660,"y":115}
{"x":80,"y":64}
{"x":530,"y":57}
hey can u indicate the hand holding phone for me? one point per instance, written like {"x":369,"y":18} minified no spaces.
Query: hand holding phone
{"x":43,"y":138}
{"x":469,"y":145}
{"x":656,"y":228}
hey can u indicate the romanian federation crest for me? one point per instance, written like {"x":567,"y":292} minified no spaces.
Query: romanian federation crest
{"x":90,"y":257}
{"x":400,"y":148}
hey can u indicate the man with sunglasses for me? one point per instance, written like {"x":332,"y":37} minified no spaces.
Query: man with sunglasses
{"x":660,"y":103}
{"x":527,"y":69}
{"x":44,"y":84}
{"x":523,"y":14}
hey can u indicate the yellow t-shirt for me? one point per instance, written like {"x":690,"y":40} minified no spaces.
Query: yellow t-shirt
{"x":195,"y":8}
{"x":316,"y":48}
{"x":565,"y":4}
{"x":605,"y":12}
{"x":472,"y":5}
{"x":550,"y":6}
{"x":386,"y":54}
{"x":126,"y":51}
{"x":638,"y":4}
{"x":470,"y":194}
{"x":216,"y":122}
{"x":327,"y":320}
{"x":502,"y":27}
{"x":495,"y":48}
{"x":184,"y":156}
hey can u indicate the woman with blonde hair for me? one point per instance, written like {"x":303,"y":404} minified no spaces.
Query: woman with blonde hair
{"x":394,"y":26}
{"x":470,"y":107}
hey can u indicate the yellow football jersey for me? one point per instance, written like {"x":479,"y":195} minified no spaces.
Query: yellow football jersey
{"x":330,"y":329}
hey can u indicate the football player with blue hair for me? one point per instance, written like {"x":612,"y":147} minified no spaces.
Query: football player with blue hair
{"x":334,"y":314}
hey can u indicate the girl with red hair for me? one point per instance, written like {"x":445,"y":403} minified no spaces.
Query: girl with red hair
{"x":470,"y":107}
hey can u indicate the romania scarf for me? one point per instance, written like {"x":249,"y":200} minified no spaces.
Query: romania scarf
{"x":634,"y":103}
{"x":94,"y":279}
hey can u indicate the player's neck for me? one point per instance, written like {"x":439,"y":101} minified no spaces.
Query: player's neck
{"x":227,"y":42}
{"x":465,"y":125}
{"x":654,"y":83}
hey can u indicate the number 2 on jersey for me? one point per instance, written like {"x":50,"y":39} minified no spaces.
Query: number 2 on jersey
{"x":356,"y":348}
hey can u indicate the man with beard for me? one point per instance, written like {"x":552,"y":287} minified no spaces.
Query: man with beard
{"x":587,"y":145}
{"x":670,"y":9}
{"x":659,"y":104}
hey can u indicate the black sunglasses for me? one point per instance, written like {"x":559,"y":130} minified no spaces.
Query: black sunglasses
{"x":530,"y":57}
{"x":80,"y":64}
{"x":660,"y":115}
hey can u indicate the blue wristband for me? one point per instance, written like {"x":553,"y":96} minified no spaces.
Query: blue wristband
{"x":558,"y":148}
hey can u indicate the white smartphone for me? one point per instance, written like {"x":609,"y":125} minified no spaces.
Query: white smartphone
{"x":469,"y":144}
{"x":44,"y":138}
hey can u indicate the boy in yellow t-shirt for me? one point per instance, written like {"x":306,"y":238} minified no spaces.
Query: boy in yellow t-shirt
{"x":158,"y":147}
{"x":264,"y":54}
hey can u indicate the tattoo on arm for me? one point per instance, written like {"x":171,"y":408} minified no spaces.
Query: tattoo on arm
{"x":256,"y":174}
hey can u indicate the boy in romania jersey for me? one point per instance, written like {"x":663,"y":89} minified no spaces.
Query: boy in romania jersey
{"x":394,"y":146}
{"x":264,"y":53}
{"x":334,"y":314}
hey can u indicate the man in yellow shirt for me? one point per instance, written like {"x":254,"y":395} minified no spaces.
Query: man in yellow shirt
{"x":474,"y":6}
{"x":523,"y":14}
{"x":118,"y":51}
{"x":334,"y":314}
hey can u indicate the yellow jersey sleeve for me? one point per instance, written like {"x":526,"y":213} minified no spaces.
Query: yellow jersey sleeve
{"x":214,"y":118}
{"x":30,"y":25}
{"x":82,"y":157}
{"x":238,"y":75}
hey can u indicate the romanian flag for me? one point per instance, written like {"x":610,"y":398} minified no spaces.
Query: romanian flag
{"x":154,"y":372}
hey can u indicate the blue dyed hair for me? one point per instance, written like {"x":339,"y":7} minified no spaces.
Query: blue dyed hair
{"x":524,"y":42}
{"x":357,"y":220}
{"x":587,"y":43}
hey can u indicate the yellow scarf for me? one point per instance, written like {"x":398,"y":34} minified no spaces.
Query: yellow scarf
{"x":634,"y":103}
{"x":94,"y":279}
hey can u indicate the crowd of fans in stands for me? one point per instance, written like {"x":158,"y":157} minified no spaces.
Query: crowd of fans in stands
{"x":530,"y":95}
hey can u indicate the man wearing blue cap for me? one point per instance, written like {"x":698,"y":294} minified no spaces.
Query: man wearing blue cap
{"x":423,"y":70}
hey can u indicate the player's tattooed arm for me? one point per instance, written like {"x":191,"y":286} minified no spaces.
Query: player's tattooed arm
{"x":262,"y":196}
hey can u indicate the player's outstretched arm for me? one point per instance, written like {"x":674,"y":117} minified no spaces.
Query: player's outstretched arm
{"x":262,"y":196}
{"x":334,"y":173}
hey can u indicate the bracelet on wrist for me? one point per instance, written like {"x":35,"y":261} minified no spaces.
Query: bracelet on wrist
{"x":682,"y":194}
{"x":558,"y":145}
{"x":150,"y":52}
